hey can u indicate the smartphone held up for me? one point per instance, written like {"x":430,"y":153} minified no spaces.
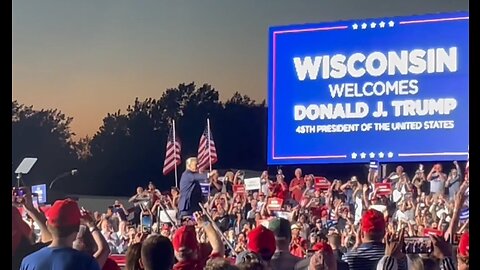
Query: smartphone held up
{"x":418,"y":245}
{"x":17,"y":194}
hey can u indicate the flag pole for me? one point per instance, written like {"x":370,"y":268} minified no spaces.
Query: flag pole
{"x":175,"y":152}
{"x":209,"y":151}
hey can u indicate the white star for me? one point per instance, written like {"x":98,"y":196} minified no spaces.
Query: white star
{"x":363,"y":155}
{"x":391,"y":23}
{"x":355,"y":26}
{"x":381,"y":155}
{"x":390,"y":154}
{"x":354,"y":155}
{"x":373,"y":25}
{"x":364,"y":26}
{"x":372,"y":155}
{"x":382,"y":24}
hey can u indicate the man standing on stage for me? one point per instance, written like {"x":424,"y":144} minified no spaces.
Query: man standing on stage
{"x":190,"y":190}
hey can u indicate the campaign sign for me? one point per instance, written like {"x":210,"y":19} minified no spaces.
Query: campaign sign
{"x":205,"y":188}
{"x":388,"y":89}
{"x":41,"y":192}
{"x":274,"y":204}
{"x":252,"y":183}
{"x":383,"y":189}
{"x":284,"y":215}
{"x":373,"y":164}
{"x":164,"y":216}
{"x":431,"y":231}
{"x":239,"y":189}
{"x":321,"y":183}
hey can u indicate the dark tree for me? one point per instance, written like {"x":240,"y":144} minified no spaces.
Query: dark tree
{"x":242,"y":133}
{"x":129,"y":148}
{"x":46,"y":135}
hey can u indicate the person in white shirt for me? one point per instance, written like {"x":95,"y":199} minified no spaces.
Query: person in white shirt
{"x":264,"y":184}
{"x":437,"y":180}
{"x":261,"y":201}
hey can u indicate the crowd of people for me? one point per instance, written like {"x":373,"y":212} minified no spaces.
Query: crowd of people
{"x":395,"y":222}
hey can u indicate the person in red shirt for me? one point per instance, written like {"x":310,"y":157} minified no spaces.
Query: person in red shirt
{"x":298,"y":245}
{"x":153,"y":192}
{"x":261,"y":242}
{"x":188,"y":252}
{"x":280,"y":189}
{"x":297,"y":185}
{"x":463,"y":252}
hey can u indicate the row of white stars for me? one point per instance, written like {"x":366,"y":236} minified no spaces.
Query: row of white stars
{"x":373,"y":25}
{"x":372,"y":155}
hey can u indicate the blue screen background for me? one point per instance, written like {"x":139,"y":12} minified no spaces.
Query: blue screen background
{"x":291,"y":147}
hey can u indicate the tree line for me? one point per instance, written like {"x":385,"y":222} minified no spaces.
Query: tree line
{"x":128,"y":149}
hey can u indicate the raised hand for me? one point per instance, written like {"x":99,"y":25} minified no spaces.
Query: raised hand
{"x":27,"y":201}
{"x":200,"y":218}
{"x":441,"y":248}
{"x":87,"y":218}
{"x":394,"y":245}
{"x":358,"y":236}
{"x":139,"y":237}
{"x":460,"y":196}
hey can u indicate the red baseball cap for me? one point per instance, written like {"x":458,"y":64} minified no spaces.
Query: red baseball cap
{"x":464,"y":245}
{"x":321,"y":246}
{"x":64,"y":213}
{"x":373,"y":221}
{"x":262,"y":241}
{"x":185,"y":237}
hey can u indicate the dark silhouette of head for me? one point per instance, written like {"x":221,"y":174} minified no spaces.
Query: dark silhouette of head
{"x":157,"y":253}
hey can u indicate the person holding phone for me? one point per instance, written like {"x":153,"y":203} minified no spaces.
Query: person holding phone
{"x":90,"y":240}
{"x":454,"y":180}
{"x":437,"y":180}
{"x":420,"y":181}
{"x":216,"y":185}
{"x":438,"y":249}
{"x":22,"y":244}
{"x":188,"y":251}
{"x":63,"y":223}
{"x":139,"y":200}
{"x":398,"y":174}
{"x":264,"y":183}
{"x":153,"y":193}
{"x":369,"y":249}
{"x":297,"y":185}
{"x":280,"y":189}
{"x":121,"y":214}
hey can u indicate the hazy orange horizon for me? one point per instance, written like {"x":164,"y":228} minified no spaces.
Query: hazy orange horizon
{"x":88,"y":59}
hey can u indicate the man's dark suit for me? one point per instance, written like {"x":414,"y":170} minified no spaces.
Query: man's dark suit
{"x":190,"y":192}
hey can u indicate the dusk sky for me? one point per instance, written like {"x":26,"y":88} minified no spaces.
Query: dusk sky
{"x":89,"y":58}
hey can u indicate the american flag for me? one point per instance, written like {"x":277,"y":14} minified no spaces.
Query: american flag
{"x":207,"y":153}
{"x":172,"y":154}
{"x":464,"y":214}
